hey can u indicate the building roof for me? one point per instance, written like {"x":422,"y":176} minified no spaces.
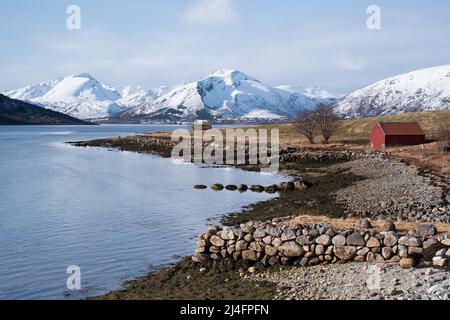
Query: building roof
{"x":401,"y":128}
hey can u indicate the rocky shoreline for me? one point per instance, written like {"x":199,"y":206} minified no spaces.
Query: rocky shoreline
{"x":343,"y":184}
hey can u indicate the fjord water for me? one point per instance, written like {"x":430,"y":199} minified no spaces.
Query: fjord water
{"x":114,"y":214}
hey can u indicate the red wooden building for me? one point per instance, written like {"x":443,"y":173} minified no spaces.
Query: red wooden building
{"x":389,"y":134}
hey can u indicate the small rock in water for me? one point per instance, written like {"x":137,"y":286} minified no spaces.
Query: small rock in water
{"x":217,"y":187}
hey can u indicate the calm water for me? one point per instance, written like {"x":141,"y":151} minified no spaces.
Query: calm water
{"x":113,"y":214}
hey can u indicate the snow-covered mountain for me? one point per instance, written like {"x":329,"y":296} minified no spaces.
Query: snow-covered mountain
{"x":421,"y":90}
{"x":318,"y":95}
{"x":82,"y":96}
{"x":223,"y":95}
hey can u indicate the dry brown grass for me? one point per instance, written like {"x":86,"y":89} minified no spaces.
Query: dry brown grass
{"x":359,"y":129}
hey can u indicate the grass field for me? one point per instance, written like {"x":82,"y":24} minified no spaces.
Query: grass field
{"x":359,"y":130}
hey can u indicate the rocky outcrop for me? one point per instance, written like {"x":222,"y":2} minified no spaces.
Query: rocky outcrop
{"x":271,"y":243}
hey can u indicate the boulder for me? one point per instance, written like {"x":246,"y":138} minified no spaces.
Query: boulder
{"x":402,"y":251}
{"x":257,"y":188}
{"x":410,"y":241}
{"x":363,"y":251}
{"x":242,"y":187}
{"x":259,"y":233}
{"x":355,"y":239}
{"x":241,"y":245}
{"x":407,"y":263}
{"x":200,"y":186}
{"x":446,"y":242}
{"x":415,"y":251}
{"x":373,"y":243}
{"x":231,"y":187}
{"x":339,"y":240}
{"x":303,"y":240}
{"x":249,"y":255}
{"x":286,"y":186}
{"x":390,"y":239}
{"x":324,"y":240}
{"x":226,"y":234}
{"x":271,"y":189}
{"x":271,"y":251}
{"x":387,"y":253}
{"x":217,"y":241}
{"x":345,"y":253}
{"x":274,"y":231}
{"x":320,"y":249}
{"x":424,"y":230}
{"x":217,"y":187}
{"x":440,"y":261}
{"x":291,"y":249}
{"x":288,"y":234}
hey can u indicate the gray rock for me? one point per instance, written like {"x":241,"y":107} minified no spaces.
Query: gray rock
{"x":271,"y":250}
{"x":324,"y":240}
{"x":291,"y":249}
{"x":217,"y":241}
{"x":390,"y":239}
{"x":407,"y":263}
{"x":363,"y":251}
{"x":373,"y":243}
{"x":440,"y":261}
{"x":355,"y":239}
{"x":259,"y":233}
{"x":387,"y":253}
{"x":249,"y":255}
{"x":410,"y":241}
{"x":423,"y":230}
{"x":345,"y":253}
{"x":241,"y":245}
{"x":287,"y":235}
{"x":339,"y":240}
{"x":226,"y":234}
{"x":217,"y":187}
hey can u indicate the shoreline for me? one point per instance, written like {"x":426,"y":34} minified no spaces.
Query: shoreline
{"x":328,"y":176}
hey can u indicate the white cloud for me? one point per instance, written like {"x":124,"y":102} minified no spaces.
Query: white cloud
{"x":348,"y":62}
{"x":210,"y":13}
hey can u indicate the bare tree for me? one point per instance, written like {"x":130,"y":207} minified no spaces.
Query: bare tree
{"x":306,"y":124}
{"x":325,"y":119}
{"x":444,"y":137}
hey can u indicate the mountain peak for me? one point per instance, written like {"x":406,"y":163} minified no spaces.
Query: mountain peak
{"x":232,"y":74}
{"x":83,"y":75}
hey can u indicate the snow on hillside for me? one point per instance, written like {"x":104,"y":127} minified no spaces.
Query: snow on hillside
{"x":421,"y":90}
{"x":223,"y":95}
{"x":319,"y":95}
{"x":82,"y":96}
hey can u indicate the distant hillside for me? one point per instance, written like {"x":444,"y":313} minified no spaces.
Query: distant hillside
{"x":15,"y":112}
{"x":421,"y":90}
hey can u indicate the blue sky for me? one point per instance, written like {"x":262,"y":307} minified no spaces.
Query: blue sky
{"x":152,"y":43}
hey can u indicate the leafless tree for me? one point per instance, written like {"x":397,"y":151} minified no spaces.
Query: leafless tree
{"x":444,"y":136}
{"x":306,"y":124}
{"x":325,"y":119}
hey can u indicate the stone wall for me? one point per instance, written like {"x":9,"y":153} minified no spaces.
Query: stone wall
{"x":269,"y":244}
